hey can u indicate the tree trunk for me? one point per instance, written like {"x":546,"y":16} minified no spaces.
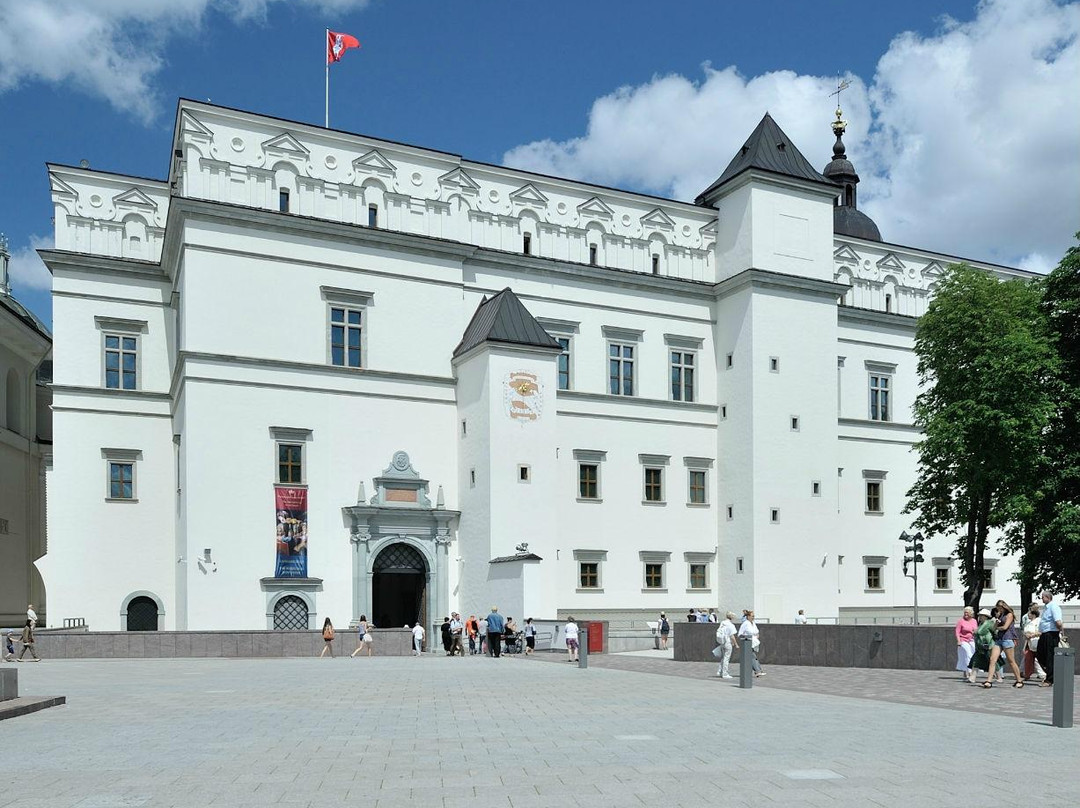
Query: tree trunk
{"x":967,"y":563}
{"x":982,"y":529}
{"x":1027,"y":585}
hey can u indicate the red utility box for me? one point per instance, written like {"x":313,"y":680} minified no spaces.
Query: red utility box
{"x":596,"y":631}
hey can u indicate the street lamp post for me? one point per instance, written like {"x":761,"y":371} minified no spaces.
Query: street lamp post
{"x":913,"y":547}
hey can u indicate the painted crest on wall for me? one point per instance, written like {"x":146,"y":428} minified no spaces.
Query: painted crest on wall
{"x":524,"y":396}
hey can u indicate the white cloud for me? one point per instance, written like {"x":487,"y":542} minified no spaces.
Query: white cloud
{"x":966,"y":141}
{"x":109,"y":48}
{"x":26,"y":268}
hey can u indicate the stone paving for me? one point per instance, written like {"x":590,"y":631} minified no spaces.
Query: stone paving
{"x":179,"y":733}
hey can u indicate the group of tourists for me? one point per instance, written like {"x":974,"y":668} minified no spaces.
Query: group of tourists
{"x":989,"y":640}
{"x":745,"y":637}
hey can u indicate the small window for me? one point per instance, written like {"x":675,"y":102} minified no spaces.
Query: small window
{"x":941,"y":578}
{"x":730,"y":360}
{"x":774,"y":515}
{"x":815,"y":489}
{"x":592,"y":254}
{"x":472,"y":478}
{"x":730,"y":512}
{"x":656,"y":265}
{"x":888,"y":303}
{"x":794,"y":423}
{"x":873,"y":578}
{"x":121,"y":480}
{"x":988,"y":578}
{"x":121,"y":362}
{"x":880,"y":386}
{"x":699,"y":576}
{"x":589,"y":574}
{"x":372,"y":215}
{"x":654,"y":485}
{"x":564,"y":363}
{"x":738,"y":565}
{"x":682,"y":375}
{"x":290,"y":463}
{"x":873,"y":496}
{"x":346,"y":336}
{"x":526,"y":244}
{"x":697,"y":487}
{"x":464,"y":428}
{"x":523,"y":474}
{"x":723,"y":412}
{"x":588,"y":481}
{"x":654,"y":575}
{"x":774,"y":364}
{"x":620,"y":369}
{"x":283,"y":200}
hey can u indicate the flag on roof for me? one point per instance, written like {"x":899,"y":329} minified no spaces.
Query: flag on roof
{"x":337,"y":44}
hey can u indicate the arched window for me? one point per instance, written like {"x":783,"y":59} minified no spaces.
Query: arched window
{"x":135,"y":237}
{"x":290,"y":614}
{"x":14,"y":398}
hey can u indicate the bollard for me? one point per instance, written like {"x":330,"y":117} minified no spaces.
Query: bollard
{"x":746,"y":668}
{"x":1064,"y":679}
{"x":583,"y":648}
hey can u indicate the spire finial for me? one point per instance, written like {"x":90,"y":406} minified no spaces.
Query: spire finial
{"x":839,"y":126}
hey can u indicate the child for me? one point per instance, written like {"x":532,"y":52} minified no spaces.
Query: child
{"x":9,"y":648}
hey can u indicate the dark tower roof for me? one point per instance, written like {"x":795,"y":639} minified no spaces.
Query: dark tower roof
{"x":767,"y":149}
{"x":505,"y":320}
{"x":848,"y":220}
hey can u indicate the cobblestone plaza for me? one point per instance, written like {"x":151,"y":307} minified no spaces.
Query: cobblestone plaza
{"x":514,"y":732}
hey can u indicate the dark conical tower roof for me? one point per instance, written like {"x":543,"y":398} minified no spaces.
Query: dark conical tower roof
{"x":767,"y":149}
{"x":504,"y":319}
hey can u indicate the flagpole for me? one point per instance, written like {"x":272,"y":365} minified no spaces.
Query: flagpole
{"x":326,"y":40}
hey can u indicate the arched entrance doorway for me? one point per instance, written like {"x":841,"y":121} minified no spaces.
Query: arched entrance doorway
{"x":142,"y":614}
{"x":399,"y":587}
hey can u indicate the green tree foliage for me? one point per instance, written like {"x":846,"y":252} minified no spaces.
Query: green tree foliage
{"x":986,"y":365}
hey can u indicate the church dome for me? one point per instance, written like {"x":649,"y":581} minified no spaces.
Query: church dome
{"x":849,"y":221}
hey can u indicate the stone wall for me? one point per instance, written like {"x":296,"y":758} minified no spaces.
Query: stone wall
{"x":897,"y":647}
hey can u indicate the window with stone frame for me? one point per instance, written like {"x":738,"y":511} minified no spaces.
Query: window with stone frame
{"x":699,"y":576}
{"x":874,"y":578}
{"x":588,"y":481}
{"x":589,"y":574}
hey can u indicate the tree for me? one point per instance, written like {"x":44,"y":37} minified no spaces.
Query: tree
{"x":985,"y":364}
{"x":1050,"y":534}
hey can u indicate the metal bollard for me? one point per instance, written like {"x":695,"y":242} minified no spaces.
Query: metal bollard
{"x":746,"y":668}
{"x":583,"y":649}
{"x":1064,"y":679}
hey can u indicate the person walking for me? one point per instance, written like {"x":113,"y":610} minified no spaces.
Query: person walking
{"x":984,"y":641}
{"x":9,"y":647}
{"x":495,"y":625}
{"x":361,"y":637}
{"x":417,"y":639}
{"x":481,"y":635}
{"x":965,"y":642}
{"x":1029,"y":664}
{"x":750,"y":642}
{"x":725,"y":638}
{"x":530,"y":636}
{"x":510,"y":634}
{"x":570,"y":631}
{"x":473,"y":628}
{"x":457,"y":629}
{"x":328,"y":638}
{"x":1050,"y":626}
{"x":31,"y":615}
{"x":1006,"y":634}
{"x":665,"y":631}
{"x":447,"y":635}
{"x":28,"y":642}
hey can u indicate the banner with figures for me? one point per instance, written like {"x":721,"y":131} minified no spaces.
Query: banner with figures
{"x":292,"y":533}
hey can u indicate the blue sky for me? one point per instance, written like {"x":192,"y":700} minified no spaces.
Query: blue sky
{"x":648,"y":96}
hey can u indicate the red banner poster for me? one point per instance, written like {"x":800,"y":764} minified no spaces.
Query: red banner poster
{"x":292,"y":533}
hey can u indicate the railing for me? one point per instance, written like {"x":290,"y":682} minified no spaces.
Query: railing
{"x":74,"y":622}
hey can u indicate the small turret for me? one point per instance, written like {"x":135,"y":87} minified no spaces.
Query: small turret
{"x":848,"y":220}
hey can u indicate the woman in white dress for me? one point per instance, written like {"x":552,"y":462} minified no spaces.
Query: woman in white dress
{"x":749,"y":643}
{"x":965,"y":643}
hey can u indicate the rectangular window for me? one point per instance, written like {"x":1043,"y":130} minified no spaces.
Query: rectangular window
{"x":564,"y":363}
{"x":290,"y":463}
{"x":654,"y":487}
{"x":794,"y":423}
{"x":774,"y":364}
{"x":879,"y":397}
{"x":592,"y":254}
{"x":372,"y":215}
{"x":730,"y":361}
{"x":697,"y":487}
{"x":873,"y":496}
{"x":699,"y":577}
{"x":654,"y":576}
{"x":774,"y":515}
{"x":723,"y":412}
{"x":656,"y":265}
{"x":682,"y":376}
{"x":739,"y":565}
{"x":346,"y":336}
{"x":873,"y":578}
{"x":815,"y":489}
{"x":464,"y":428}
{"x":523,"y":474}
{"x":988,"y":578}
{"x":283,"y":200}
{"x":620,"y":369}
{"x":588,"y":481}
{"x":589,"y":574}
{"x":526,"y":244}
{"x":941,"y":578}
{"x":121,"y":480}
{"x":121,"y":361}
{"x":730,"y":512}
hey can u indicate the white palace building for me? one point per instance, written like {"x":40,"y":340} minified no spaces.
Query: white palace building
{"x":316,"y":374}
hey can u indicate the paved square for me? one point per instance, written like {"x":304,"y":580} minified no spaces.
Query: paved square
{"x":480,"y":732}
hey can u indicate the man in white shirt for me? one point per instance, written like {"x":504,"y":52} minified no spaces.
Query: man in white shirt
{"x":570,"y":630}
{"x":31,"y":615}
{"x":457,"y":628}
{"x":725,"y":638}
{"x":800,"y":618}
{"x":417,"y":639}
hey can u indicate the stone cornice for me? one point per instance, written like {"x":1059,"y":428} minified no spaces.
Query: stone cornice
{"x":871,"y":317}
{"x":636,"y":400}
{"x":766,"y":279}
{"x":102,"y":265}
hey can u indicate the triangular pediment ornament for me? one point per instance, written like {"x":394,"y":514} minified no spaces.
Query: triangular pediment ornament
{"x":846,"y":254}
{"x":135,"y":198}
{"x":191,"y":125}
{"x":595,"y":207}
{"x":709,"y":230}
{"x":658,"y":218}
{"x":528,"y":195}
{"x":286,"y":143}
{"x":890,"y":261}
{"x":460,"y":180}
{"x":58,"y":186}
{"x":933,"y":270}
{"x":374,"y":161}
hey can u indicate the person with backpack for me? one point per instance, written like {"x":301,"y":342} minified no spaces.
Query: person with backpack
{"x":665,"y":630}
{"x":328,"y":638}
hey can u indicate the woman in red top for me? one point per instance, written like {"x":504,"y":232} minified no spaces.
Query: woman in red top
{"x":965,"y":643}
